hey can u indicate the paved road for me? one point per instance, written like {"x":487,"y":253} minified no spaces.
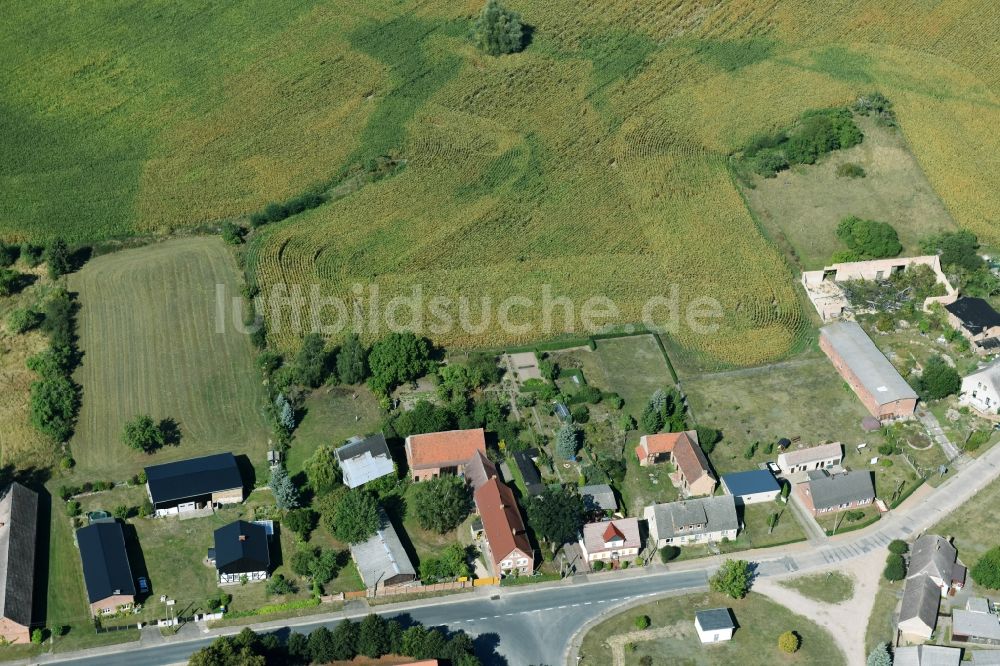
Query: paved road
{"x":541,"y":624}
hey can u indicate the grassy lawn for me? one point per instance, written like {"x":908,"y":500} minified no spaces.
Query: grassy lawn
{"x":150,"y":346}
{"x":333,"y":414}
{"x":831,"y":587}
{"x":800,"y":208}
{"x":755,"y":517}
{"x":881,"y":628}
{"x":966,"y":525}
{"x":645,"y":485}
{"x":755,"y":642}
{"x":839,"y":520}
{"x":423,"y":543}
{"x":957,"y":426}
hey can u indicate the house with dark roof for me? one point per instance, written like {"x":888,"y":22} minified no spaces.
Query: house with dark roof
{"x":195,"y":483}
{"x":699,"y":520}
{"x":976,"y":319}
{"x":443,"y":453}
{"x":479,"y":470}
{"x":693,"y":475}
{"x":919,"y":609}
{"x":107,"y":573}
{"x":529,"y":473}
{"x":714,"y":625}
{"x":382,"y":560}
{"x":242,"y":550}
{"x":829,"y":493}
{"x":879,"y":386}
{"x":611,"y":540}
{"x":751,"y":486}
{"x":364,"y":459}
{"x":504,"y":537}
{"x":936,"y":557}
{"x":18,"y":538}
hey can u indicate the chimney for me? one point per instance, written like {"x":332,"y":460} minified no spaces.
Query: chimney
{"x":243,"y":537}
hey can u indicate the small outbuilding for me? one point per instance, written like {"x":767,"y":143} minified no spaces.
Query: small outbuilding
{"x":752,"y":486}
{"x":715,"y":625}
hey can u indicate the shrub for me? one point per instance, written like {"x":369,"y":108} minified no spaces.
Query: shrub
{"x":37,"y":636}
{"x":72,"y":508}
{"x":733,"y":579}
{"x":642,"y":622}
{"x":878,"y":105}
{"x":146,"y":508}
{"x":32,"y":254}
{"x":67,"y":462}
{"x":232,"y":233}
{"x":22,"y":320}
{"x":938,"y":379}
{"x":899,"y":547}
{"x":749,"y":452}
{"x":869,"y":239}
{"x":278,"y":584}
{"x":580,"y":414}
{"x":895,"y":567}
{"x":886,"y":449}
{"x":850,"y":170}
{"x":986,"y":571}
{"x":788,"y":642}
{"x":668,"y":553}
{"x":597,"y":566}
{"x":854,"y":516}
{"x":498,"y":31}
{"x":121,"y":512}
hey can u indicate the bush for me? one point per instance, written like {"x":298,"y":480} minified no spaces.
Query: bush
{"x":938,"y":379}
{"x":788,"y":642}
{"x":232,"y":233}
{"x":899,"y":547}
{"x":886,"y":449}
{"x":67,"y":462}
{"x":498,"y":31}
{"x":855,"y":516}
{"x":37,"y":636}
{"x":878,"y":105}
{"x":22,"y":320}
{"x":733,"y":579}
{"x":278,"y":584}
{"x":986,"y":571}
{"x":850,"y":170}
{"x":869,"y":239}
{"x":895,"y":567}
{"x":580,"y":414}
{"x":121,"y":512}
{"x":642,"y":622}
{"x":668,"y":553}
{"x":72,"y":508}
{"x":32,"y":254}
{"x":597,"y":566}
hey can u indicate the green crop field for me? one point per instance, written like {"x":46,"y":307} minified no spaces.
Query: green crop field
{"x":148,"y":334}
{"x":595,"y":161}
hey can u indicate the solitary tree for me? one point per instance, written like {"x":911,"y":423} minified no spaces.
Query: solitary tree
{"x":286,"y":495}
{"x":395,"y":359}
{"x":352,"y":361}
{"x":312,"y":363}
{"x":895,"y":567}
{"x":733,"y":579}
{"x":986,"y":571}
{"x":556,"y":515}
{"x":938,"y":379}
{"x":441,"y":503}
{"x":301,"y":521}
{"x":567,"y":441}
{"x":142,"y":434}
{"x":788,"y":642}
{"x":322,"y":469}
{"x":498,"y":30}
{"x":357,"y":517}
{"x":879,"y":656}
{"x":284,"y":412}
{"x":57,"y":258}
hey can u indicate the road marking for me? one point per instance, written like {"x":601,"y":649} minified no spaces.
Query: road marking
{"x":575,"y":605}
{"x":482,"y":618}
{"x":562,"y":606}
{"x":587,"y":603}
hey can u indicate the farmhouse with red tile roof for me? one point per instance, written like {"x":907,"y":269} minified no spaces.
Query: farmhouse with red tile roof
{"x":506,"y":543}
{"x":443,"y":453}
{"x":694,"y":475}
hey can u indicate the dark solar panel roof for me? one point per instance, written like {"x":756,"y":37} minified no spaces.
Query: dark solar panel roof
{"x":177,"y":481}
{"x":106,"y":570}
{"x":234,"y":556}
{"x":750,"y":482}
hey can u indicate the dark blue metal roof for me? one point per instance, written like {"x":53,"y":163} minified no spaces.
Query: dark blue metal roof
{"x":750,"y":482}
{"x":106,"y":570}
{"x":241,"y":547}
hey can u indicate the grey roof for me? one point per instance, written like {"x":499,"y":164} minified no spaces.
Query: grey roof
{"x":364,"y":460}
{"x":18,"y":532}
{"x":934,"y":556}
{"x":820,"y":453}
{"x":868,"y":364}
{"x":985,"y":657}
{"x":479,"y":470}
{"x":837,"y":489}
{"x":972,"y":623}
{"x":382,"y":557}
{"x":927,"y":655}
{"x":699,"y":515}
{"x":921,"y":599}
{"x":599,"y":497}
{"x":978,"y":605}
{"x":716,"y":618}
{"x":750,"y":482}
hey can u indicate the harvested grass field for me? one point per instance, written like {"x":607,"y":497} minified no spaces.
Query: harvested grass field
{"x":603,"y":145}
{"x":800,"y":208}
{"x":333,"y":415}
{"x":147,"y":329}
{"x":675,"y":641}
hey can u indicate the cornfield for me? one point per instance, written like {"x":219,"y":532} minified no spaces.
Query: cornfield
{"x":594,"y":161}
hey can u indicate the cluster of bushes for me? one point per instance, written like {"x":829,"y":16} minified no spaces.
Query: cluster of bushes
{"x":818,"y":132}
{"x":268,"y":609}
{"x":373,"y":637}
{"x":878,"y":105}
{"x":867,"y":239}
{"x":452,"y":563}
{"x":664,"y":411}
{"x":976,"y":439}
{"x":67,"y":492}
{"x":277,"y":211}
{"x":986,"y":571}
{"x":55,"y":397}
{"x":960,"y":258}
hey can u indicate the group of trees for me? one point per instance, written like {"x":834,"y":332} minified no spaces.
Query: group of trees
{"x":55,"y":397}
{"x":318,"y":564}
{"x":556,"y":515}
{"x":818,"y":132}
{"x":451,"y":562}
{"x":867,"y":239}
{"x":960,"y":258}
{"x":441,"y":504}
{"x":373,"y":637}
{"x":895,"y":564}
{"x":664,"y":411}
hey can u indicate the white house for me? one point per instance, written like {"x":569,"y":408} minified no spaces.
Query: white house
{"x":981,"y":389}
{"x":714,"y":625}
{"x":611,"y":540}
{"x":823,"y":456}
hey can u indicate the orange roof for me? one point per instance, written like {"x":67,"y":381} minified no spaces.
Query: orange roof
{"x":444,"y":449}
{"x":663,"y":442}
{"x":689,"y":457}
{"x":612,"y":533}
{"x":502,"y":521}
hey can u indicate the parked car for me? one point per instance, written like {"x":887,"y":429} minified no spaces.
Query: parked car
{"x":143,"y":585}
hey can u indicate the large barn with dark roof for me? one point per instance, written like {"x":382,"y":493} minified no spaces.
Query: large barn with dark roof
{"x":195,"y":483}
{"x":18,"y":534}
{"x":106,"y":569}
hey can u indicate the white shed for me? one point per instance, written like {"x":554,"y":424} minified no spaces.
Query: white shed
{"x":714,"y":625}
